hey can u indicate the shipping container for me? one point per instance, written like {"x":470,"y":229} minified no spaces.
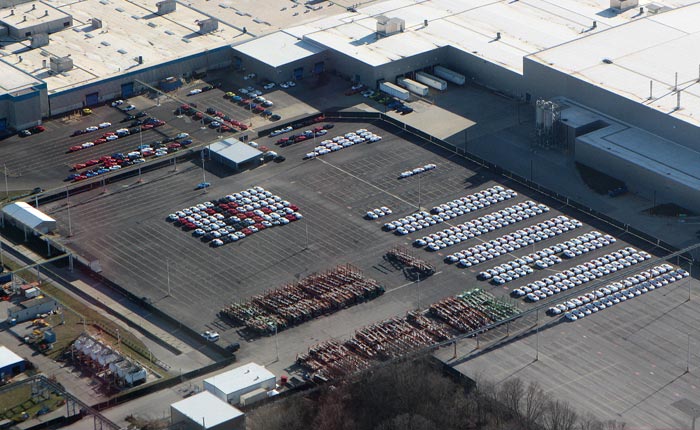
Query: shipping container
{"x":449,"y":75}
{"x":394,"y":90}
{"x":253,"y":396}
{"x":431,"y":81}
{"x":414,"y":87}
{"x":32,"y":292}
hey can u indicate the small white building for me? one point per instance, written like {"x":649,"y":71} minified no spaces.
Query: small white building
{"x":27,"y":218}
{"x":205,"y":411}
{"x":231,"y":385}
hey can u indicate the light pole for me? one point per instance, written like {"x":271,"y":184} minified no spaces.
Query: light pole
{"x":418,"y":286}
{"x":204,"y":172}
{"x":537,"y":337}
{"x":7,"y":190}
{"x":167,"y":270}
{"x":419,"y":190}
{"x":70,"y":227}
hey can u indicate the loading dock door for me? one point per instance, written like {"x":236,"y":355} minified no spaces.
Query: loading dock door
{"x":298,"y":73}
{"x":127,"y":90}
{"x":92,"y":99}
{"x":3,"y":123}
{"x":319,"y":67}
{"x":237,"y":63}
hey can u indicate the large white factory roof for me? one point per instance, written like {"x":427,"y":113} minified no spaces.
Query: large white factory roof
{"x":206,"y":410}
{"x":129,"y":30}
{"x":278,"y":48}
{"x":653,"y":48}
{"x":525,"y":27}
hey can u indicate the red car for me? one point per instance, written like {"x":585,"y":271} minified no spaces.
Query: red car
{"x":300,"y":138}
{"x":317,"y":129}
{"x":99,"y":141}
{"x":75,"y":148}
{"x":79,"y":166}
{"x":243,"y":127}
{"x":79,"y":178}
{"x":199,"y":115}
{"x":225,"y":128}
{"x":283,"y":140}
{"x":92,"y":162}
{"x":146,"y":126}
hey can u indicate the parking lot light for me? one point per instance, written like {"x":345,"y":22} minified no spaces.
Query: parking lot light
{"x":277,"y":351}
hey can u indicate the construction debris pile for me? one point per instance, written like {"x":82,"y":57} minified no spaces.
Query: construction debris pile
{"x":313,"y":296}
{"x":106,"y":363}
{"x":414,"y":268}
{"x":397,"y":336}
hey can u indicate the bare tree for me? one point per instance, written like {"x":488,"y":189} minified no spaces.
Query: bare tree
{"x":589,"y":422}
{"x":614,"y":425}
{"x":511,"y":394}
{"x":407,"y":422}
{"x":558,"y":415}
{"x":534,"y":403}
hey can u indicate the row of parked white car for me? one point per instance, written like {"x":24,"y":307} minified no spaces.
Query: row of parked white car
{"x":542,"y":259}
{"x":618,"y":292}
{"x":510,"y":242}
{"x":478,"y":226}
{"x":341,"y":142}
{"x":417,"y":171}
{"x":378,"y":213}
{"x":446,"y":211}
{"x":577,"y":275}
{"x":475,"y":201}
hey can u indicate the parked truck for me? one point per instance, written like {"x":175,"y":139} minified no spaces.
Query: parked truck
{"x":431,"y":81}
{"x":449,"y":75}
{"x":394,"y":90}
{"x":413,"y":86}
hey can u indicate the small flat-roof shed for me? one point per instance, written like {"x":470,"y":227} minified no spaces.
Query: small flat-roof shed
{"x":11,"y":364}
{"x":205,"y":411}
{"x":234,"y":153}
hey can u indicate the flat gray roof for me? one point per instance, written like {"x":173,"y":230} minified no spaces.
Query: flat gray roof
{"x":278,"y":48}
{"x":652,"y":48}
{"x":14,"y":80}
{"x":234,"y":150}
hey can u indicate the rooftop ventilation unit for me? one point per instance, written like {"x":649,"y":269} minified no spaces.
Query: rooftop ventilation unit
{"x":208,"y":25}
{"x":623,"y":5}
{"x":61,"y":64}
{"x":388,"y":26}
{"x":96,"y":23}
{"x":39,"y":39}
{"x":166,"y":6}
{"x":654,"y":8}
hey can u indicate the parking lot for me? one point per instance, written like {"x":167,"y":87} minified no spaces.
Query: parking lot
{"x":126,"y":228}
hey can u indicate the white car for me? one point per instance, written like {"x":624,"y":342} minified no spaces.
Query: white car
{"x":117,"y":103}
{"x":129,"y":108}
{"x":182,"y":136}
{"x":211,"y":336}
{"x":194,"y":91}
{"x":276,"y":132}
{"x":111,"y":137}
{"x":269,"y":86}
{"x":91,"y":128}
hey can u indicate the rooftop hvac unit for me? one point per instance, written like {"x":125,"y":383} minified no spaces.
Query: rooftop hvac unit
{"x":208,"y":25}
{"x":61,"y":64}
{"x":166,"y":6}
{"x":40,"y":39}
{"x":96,"y":23}
{"x":388,"y":26}
{"x":623,"y":5}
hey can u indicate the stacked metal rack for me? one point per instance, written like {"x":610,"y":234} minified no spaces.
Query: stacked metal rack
{"x":398,"y":336}
{"x":413,"y":266}
{"x":313,"y":296}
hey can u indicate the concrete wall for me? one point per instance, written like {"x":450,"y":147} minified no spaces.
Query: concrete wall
{"x":485,"y":73}
{"x":639,"y":179}
{"x":283,"y":73}
{"x":546,"y":82}
{"x":109,"y":89}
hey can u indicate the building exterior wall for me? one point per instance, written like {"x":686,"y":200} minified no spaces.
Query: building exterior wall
{"x":639,"y":180}
{"x":12,"y":370}
{"x":48,"y":27}
{"x":486,"y":73}
{"x":31,"y":312}
{"x":546,"y":82}
{"x":282,"y":73}
{"x":108,"y":89}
